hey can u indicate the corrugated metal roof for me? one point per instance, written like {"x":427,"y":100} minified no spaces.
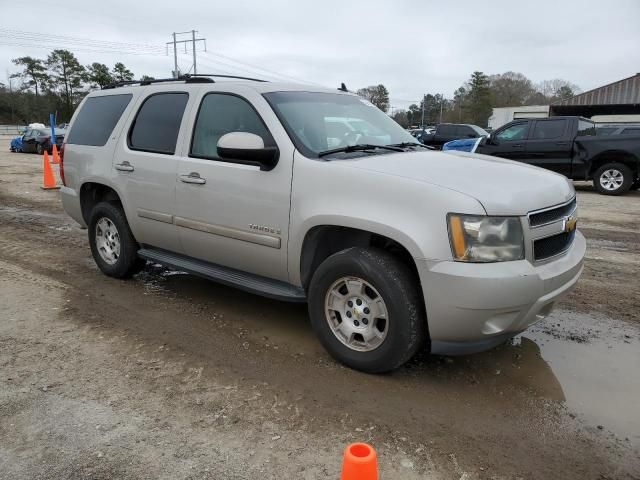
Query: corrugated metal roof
{"x":622,"y":92}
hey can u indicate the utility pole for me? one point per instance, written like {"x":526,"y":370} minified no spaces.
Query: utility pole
{"x":424,"y":98}
{"x":192,"y":40}
{"x":441,"y":102}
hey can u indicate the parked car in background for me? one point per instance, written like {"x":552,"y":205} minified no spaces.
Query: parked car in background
{"x":617,"y":129}
{"x":37,"y":140}
{"x":445,"y":132}
{"x":16,"y":144}
{"x":63,"y":126}
{"x":569,"y":145}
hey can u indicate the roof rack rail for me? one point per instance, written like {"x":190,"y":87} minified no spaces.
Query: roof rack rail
{"x":187,"y":78}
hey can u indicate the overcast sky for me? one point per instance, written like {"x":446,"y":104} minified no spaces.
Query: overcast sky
{"x":412,"y":47}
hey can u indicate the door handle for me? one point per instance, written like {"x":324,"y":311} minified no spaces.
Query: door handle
{"x":520,"y":145}
{"x":562,"y":144}
{"x":124,"y":167}
{"x":193,"y":177}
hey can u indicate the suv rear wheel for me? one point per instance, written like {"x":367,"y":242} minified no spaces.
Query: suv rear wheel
{"x":613,"y":179}
{"x":112,"y":244}
{"x":366,"y":309}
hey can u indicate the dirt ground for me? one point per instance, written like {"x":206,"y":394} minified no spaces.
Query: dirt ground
{"x":170,"y":376}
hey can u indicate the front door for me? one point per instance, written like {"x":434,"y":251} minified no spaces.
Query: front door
{"x":228,"y":213}
{"x":508,"y":142}
{"x":145,"y":166}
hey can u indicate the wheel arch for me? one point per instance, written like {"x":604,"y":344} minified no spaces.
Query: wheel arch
{"x":613,"y":156}
{"x":92,"y":193}
{"x":322,"y":241}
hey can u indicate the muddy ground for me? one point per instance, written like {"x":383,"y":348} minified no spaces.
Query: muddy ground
{"x":170,"y":376}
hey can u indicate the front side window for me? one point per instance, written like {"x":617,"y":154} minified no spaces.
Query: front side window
{"x":220,"y":114}
{"x":512,"y":133}
{"x":318,"y":121}
{"x":157,"y":123}
{"x":97,"y":118}
{"x":549,"y":129}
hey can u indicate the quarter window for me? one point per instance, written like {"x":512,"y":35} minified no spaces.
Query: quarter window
{"x":96,"y":119}
{"x":512,"y":133}
{"x":157,"y":124}
{"x":549,"y":129}
{"x":221,"y":114}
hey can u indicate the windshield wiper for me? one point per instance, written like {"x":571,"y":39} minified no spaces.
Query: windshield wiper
{"x":409,"y":144}
{"x":359,"y":148}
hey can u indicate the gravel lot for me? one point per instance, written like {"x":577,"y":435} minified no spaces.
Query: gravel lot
{"x":170,"y":376}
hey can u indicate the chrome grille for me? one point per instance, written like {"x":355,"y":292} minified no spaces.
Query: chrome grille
{"x":552,"y":215}
{"x":548,"y":247}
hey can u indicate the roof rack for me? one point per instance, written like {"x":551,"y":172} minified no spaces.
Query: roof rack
{"x":187,"y":78}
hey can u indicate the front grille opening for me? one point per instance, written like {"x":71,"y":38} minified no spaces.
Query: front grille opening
{"x":552,"y":246}
{"x":549,"y":216}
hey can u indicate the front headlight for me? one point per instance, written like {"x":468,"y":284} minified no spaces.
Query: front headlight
{"x":477,"y":238}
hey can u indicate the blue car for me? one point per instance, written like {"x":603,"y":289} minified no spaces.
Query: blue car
{"x":16,"y":144}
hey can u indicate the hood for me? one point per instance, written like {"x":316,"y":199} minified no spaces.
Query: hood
{"x":503,"y":187}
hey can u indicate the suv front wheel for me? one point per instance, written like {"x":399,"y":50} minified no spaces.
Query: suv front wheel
{"x":366,"y":309}
{"x":113,"y":246}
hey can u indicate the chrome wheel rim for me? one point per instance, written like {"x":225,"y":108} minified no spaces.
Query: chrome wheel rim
{"x":611,"y":179}
{"x":107,"y":240}
{"x":356,"y":314}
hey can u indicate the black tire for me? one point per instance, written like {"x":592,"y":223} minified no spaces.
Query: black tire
{"x":394,"y":281}
{"x":128,"y":263}
{"x":627,"y":179}
{"x":39,"y":149}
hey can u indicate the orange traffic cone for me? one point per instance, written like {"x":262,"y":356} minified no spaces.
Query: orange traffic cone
{"x":359,"y":463}
{"x":56,"y":157}
{"x":48,"y":180}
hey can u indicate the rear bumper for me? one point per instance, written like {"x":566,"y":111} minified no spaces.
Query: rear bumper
{"x":71,"y":204}
{"x":474,"y":307}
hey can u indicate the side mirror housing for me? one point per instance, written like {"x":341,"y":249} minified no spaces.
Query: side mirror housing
{"x":247,"y":148}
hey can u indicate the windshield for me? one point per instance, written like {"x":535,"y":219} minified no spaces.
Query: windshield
{"x":317,"y":122}
{"x":480,"y":131}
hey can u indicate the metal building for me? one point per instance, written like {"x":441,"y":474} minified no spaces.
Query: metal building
{"x":617,"y":98}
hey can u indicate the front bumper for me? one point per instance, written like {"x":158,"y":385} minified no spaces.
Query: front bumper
{"x":472,"y":307}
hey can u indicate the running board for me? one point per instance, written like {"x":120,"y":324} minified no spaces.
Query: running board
{"x":249,"y":282}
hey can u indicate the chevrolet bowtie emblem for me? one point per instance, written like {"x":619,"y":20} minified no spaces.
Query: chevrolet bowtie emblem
{"x":570,"y":223}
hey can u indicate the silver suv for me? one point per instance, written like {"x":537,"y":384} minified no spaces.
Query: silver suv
{"x":314,"y":195}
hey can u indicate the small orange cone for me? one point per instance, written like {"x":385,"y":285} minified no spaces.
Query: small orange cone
{"x":56,"y":157}
{"x":359,"y":463}
{"x":48,"y":180}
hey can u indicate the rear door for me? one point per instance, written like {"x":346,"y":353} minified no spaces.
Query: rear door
{"x":550,"y":145}
{"x":508,"y":141}
{"x":29,"y":141}
{"x":145,"y":166}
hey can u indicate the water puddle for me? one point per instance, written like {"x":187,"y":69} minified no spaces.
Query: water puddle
{"x":596,"y":362}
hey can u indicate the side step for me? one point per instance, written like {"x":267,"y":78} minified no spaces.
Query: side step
{"x":249,"y":282}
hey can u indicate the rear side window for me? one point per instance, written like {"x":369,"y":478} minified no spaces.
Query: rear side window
{"x":447,"y":130}
{"x":97,"y":118}
{"x":220,"y":114}
{"x":548,"y":129}
{"x":157,"y":123}
{"x":631,"y":131}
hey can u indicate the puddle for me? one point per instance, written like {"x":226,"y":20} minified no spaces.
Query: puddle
{"x":589,"y":363}
{"x":596,"y":361}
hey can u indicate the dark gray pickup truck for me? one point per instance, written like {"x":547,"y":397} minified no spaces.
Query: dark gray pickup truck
{"x":569,"y":145}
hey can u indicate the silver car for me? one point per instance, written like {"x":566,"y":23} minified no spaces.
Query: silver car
{"x":314,"y":195}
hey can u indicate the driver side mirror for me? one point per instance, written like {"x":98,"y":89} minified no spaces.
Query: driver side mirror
{"x":247,"y":148}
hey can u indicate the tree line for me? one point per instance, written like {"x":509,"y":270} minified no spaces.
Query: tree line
{"x":56,"y":83}
{"x":473,"y":101}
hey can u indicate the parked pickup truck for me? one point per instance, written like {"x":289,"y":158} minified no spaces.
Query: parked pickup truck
{"x":394,"y":247}
{"x":569,"y":145}
{"x":446,"y":132}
